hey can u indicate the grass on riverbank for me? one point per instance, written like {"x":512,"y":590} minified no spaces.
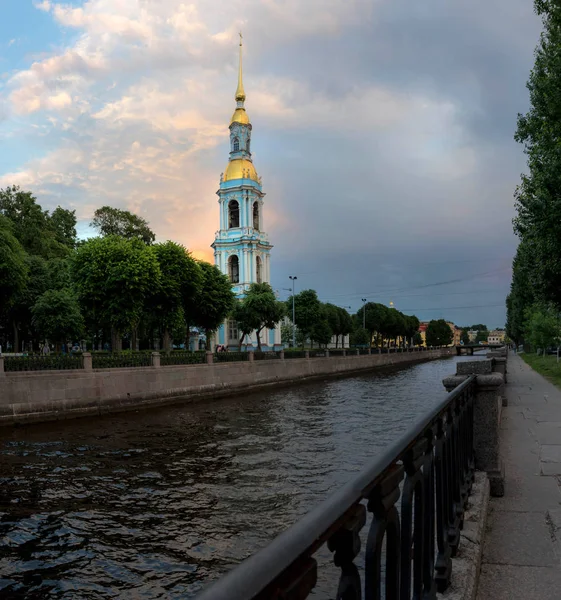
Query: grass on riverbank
{"x":546,"y":366}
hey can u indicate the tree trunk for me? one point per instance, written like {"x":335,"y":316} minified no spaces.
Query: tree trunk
{"x":241,"y":340}
{"x":208,"y":334}
{"x":167,"y":340}
{"x":337,"y":341}
{"x":16,"y":336}
{"x":116,"y":341}
{"x":259,"y":339}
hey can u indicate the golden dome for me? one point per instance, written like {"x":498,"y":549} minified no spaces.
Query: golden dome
{"x":240,"y":116}
{"x":240,"y":168}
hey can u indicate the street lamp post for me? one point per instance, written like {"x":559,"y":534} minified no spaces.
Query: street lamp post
{"x":293,"y":279}
{"x":364,"y":313}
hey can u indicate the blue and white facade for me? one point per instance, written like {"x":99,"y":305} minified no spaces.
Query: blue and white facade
{"x":241,"y":247}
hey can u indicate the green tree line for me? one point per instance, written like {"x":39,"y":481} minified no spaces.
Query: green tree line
{"x":535,"y":292}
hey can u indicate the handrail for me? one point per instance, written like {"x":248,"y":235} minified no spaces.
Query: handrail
{"x":434,"y":460}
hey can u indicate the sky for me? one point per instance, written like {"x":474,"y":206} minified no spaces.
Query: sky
{"x":382,"y":129}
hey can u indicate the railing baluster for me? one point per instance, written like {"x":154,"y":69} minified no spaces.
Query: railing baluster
{"x":429,"y":470}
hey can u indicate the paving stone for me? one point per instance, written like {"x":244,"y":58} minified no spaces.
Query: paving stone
{"x":506,"y":582}
{"x":528,"y":494}
{"x":550,"y":459}
{"x":547,"y":432}
{"x":518,"y":539}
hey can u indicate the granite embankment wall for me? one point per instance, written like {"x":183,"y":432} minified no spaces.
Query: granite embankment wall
{"x":49,"y":395}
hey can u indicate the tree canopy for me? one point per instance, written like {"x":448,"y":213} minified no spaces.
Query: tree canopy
{"x":111,"y":221}
{"x":57,"y":316}
{"x":439,"y":333}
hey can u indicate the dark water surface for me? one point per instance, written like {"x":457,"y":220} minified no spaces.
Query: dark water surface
{"x":152,"y":504}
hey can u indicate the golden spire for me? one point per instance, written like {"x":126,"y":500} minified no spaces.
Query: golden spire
{"x":240,"y":94}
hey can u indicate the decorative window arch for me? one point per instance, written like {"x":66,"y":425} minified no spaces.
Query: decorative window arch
{"x":259,"y":270}
{"x":233,"y":214}
{"x":247,"y":144}
{"x":236,"y":144}
{"x":234,"y":269}
{"x":256,"y":215}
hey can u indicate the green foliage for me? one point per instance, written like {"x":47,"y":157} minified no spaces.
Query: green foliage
{"x":482,"y":336}
{"x":465,"y":337}
{"x":439,"y":333}
{"x":321,"y":333}
{"x":286,"y":333}
{"x":57,"y":317}
{"x":543,"y":326}
{"x":13,"y":267}
{"x":544,"y":365}
{"x":417,"y":339}
{"x":114,"y":277}
{"x":258,"y":309}
{"x":214,"y":300}
{"x":360,"y":337}
{"x":537,"y":268}
{"x":63,"y":224}
{"x":308,"y":311}
{"x":116,"y":222}
{"x":180,"y":278}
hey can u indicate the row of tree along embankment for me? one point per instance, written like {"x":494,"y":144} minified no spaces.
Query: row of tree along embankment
{"x":50,"y":395}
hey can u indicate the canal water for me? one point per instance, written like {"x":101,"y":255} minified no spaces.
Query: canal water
{"x":155,"y":503}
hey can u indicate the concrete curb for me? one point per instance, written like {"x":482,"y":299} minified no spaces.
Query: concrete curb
{"x":467,"y":563}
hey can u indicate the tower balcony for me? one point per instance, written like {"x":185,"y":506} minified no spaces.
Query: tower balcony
{"x":236,"y":234}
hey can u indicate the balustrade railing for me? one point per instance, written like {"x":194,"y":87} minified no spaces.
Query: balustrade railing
{"x":427,"y":474}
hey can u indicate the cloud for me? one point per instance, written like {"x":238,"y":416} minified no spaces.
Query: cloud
{"x":379,"y":127}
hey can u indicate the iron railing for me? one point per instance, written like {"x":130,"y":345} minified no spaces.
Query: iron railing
{"x":121,"y":360}
{"x":430,"y":468}
{"x":43,"y":362}
{"x":271,"y":355}
{"x":182,"y":358}
{"x":230,"y":356}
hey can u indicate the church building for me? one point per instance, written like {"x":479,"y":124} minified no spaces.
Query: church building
{"x":241,"y":247}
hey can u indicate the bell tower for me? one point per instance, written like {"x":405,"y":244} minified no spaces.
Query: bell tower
{"x":241,"y":246}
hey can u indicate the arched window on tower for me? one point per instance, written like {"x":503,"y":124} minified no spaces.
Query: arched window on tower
{"x":233,"y":214}
{"x":247,"y":145}
{"x":258,"y":270}
{"x":234,"y":269}
{"x":256,"y":215}
{"x":236,"y":144}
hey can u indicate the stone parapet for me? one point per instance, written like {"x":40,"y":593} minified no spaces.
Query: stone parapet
{"x":47,"y":395}
{"x":487,"y":417}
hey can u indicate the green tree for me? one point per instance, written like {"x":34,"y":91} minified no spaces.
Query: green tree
{"x":465,"y":337}
{"x":259,"y":309}
{"x":333,"y":318}
{"x":345,"y":324}
{"x":116,"y":222}
{"x":481,"y":336}
{"x":439,"y":333}
{"x":63,"y":223}
{"x":13,"y":267}
{"x":321,"y":333}
{"x":543,"y":327}
{"x":31,"y":225}
{"x":538,"y":197}
{"x":417,"y":339}
{"x":114,"y":278}
{"x":360,"y":337}
{"x":286,"y":334}
{"x":214,"y":300}
{"x":180,"y":279}
{"x":246,"y":318}
{"x":57,"y":317}
{"x":308,"y":311}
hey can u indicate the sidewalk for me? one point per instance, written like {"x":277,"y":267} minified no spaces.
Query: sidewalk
{"x":522,"y":550}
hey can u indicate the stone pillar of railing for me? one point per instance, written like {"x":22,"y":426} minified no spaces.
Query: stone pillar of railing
{"x":306,"y":354}
{"x":344,"y":352}
{"x":209,"y":358}
{"x":251,"y":356}
{"x":369,"y":350}
{"x":379,"y":350}
{"x":156,"y":360}
{"x":486,"y":418}
{"x":281,"y":354}
{"x":326,"y":353}
{"x":2,"y":372}
{"x":87,"y":361}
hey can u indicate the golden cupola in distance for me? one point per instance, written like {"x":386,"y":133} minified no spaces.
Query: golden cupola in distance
{"x":240,"y":165}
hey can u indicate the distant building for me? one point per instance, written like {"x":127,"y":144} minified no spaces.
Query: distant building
{"x":472,"y":335}
{"x":497,"y":336}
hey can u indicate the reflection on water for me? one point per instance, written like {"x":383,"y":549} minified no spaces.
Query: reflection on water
{"x":152,"y":504}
